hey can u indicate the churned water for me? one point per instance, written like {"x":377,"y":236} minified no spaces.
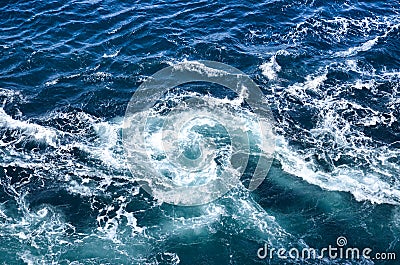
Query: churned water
{"x":330,"y":71}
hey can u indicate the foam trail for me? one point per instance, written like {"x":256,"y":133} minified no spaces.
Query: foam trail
{"x":363,"y":186}
{"x":38,"y":132}
{"x":334,"y":137}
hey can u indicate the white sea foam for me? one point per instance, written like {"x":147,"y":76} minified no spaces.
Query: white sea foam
{"x":362,"y":48}
{"x":51,"y":82}
{"x":109,"y":226}
{"x":196,"y":66}
{"x":338,"y":28}
{"x":271,"y":68}
{"x":111,"y":55}
{"x":334,"y":137}
{"x":363,"y":186}
{"x":38,"y":132}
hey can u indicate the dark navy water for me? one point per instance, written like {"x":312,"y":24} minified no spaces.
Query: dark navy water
{"x":330,"y":71}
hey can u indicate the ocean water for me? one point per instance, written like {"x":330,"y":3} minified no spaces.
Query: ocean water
{"x":330,"y":71}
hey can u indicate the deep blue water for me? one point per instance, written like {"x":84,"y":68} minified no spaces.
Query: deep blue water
{"x":330,"y":71}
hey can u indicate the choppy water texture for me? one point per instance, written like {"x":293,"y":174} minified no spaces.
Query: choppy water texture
{"x":329,"y":69}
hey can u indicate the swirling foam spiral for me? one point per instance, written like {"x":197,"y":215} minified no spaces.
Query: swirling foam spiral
{"x":188,"y":148}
